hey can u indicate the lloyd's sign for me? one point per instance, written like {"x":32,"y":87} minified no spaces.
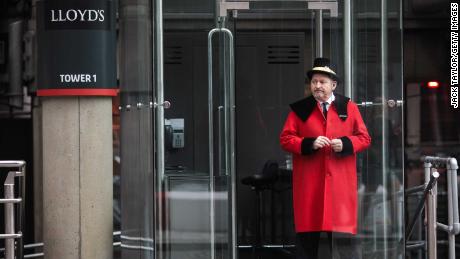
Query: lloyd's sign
{"x":73,"y":15}
{"x":76,"y":42}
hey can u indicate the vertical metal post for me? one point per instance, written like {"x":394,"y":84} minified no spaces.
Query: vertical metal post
{"x":452,"y":191}
{"x":211,"y":141}
{"x":319,"y":32}
{"x":229,"y":127}
{"x":450,"y":219}
{"x":21,"y":211}
{"x":232,"y":144}
{"x":160,"y":161}
{"x":348,"y":82}
{"x":431,"y":223}
{"x":384,"y":93}
{"x":9,"y":216}
{"x":427,"y":170}
{"x":226,"y":78}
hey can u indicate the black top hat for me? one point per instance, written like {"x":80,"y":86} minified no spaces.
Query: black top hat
{"x":323,"y":66}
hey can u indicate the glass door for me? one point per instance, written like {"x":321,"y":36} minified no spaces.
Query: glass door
{"x":225,"y":74}
{"x":378,"y":90}
{"x":195,"y":150}
{"x":275,"y":44}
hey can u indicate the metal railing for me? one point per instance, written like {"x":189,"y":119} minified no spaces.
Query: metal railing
{"x":34,"y":247}
{"x":429,"y":201}
{"x":32,"y":254}
{"x":12,"y":219}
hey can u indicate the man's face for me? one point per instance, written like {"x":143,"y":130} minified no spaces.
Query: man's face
{"x":321,"y":87}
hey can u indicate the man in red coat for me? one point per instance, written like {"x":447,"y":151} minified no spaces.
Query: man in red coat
{"x":324,"y":132}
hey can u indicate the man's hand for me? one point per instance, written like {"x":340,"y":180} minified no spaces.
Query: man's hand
{"x":321,"y":142}
{"x":337,"y":145}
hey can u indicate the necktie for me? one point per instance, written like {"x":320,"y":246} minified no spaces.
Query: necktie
{"x":324,"y":109}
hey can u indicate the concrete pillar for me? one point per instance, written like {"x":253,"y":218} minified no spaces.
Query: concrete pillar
{"x":77,"y":177}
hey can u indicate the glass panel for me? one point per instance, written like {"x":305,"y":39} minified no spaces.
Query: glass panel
{"x":197,"y":145}
{"x":377,"y":76}
{"x":269,"y":29}
{"x":275,"y":46}
{"x":136,"y":129}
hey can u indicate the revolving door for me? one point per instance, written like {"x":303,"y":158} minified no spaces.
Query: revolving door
{"x":205,"y":91}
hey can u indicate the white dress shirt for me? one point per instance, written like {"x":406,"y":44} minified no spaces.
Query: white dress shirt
{"x":328,"y":102}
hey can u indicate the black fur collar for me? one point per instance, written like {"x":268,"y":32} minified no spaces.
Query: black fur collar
{"x":303,"y":108}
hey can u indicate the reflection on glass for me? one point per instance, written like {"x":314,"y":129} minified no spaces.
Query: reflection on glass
{"x":377,"y":75}
{"x":274,"y":45}
{"x":196,"y":199}
{"x":136,"y":147}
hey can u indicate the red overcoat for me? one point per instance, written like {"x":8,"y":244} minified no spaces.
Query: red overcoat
{"x":324,"y":182}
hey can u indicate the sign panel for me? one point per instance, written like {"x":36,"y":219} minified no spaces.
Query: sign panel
{"x":76,"y":42}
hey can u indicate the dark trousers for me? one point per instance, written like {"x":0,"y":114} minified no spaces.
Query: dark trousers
{"x":340,"y":245}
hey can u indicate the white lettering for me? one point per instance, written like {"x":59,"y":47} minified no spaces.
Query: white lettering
{"x":453,"y":16}
{"x":101,"y":15}
{"x":82,"y":14}
{"x":454,"y":54}
{"x":453,"y":58}
{"x":71,"y":15}
{"x":93,"y":15}
{"x":60,"y":16}
{"x":77,"y":78}
{"x":53,"y":18}
{"x":454,"y":96}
